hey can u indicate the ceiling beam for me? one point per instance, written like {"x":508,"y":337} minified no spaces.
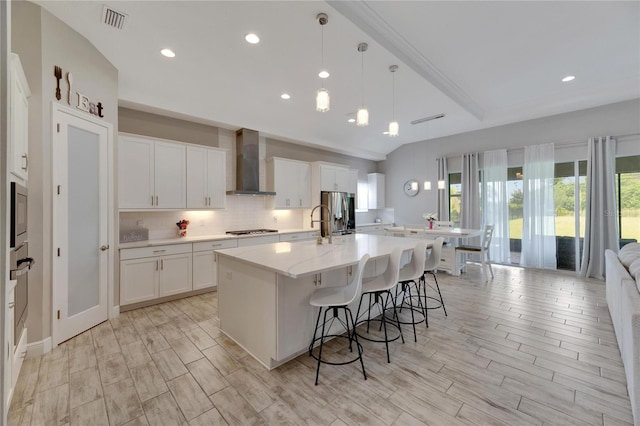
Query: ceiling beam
{"x":365,"y":18}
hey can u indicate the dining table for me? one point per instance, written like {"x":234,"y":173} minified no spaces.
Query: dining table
{"x":450,"y":260}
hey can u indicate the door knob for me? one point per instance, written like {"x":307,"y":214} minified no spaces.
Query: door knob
{"x":104,"y":247}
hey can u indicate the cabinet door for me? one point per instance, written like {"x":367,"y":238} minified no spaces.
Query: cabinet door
{"x":138,"y":280}
{"x":342,"y":179}
{"x":19,"y":123}
{"x":285,"y":176}
{"x":170,"y":175}
{"x":327,"y":178}
{"x":216,"y":178}
{"x":175,"y":274}
{"x":352,"y":185}
{"x":197,"y":195}
{"x":304,"y":185}
{"x":135,"y":173}
{"x":204,"y":269}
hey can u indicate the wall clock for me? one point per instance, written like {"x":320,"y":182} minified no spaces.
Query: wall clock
{"x":411,"y":187}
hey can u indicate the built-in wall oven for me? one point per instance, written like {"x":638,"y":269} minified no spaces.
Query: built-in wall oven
{"x":20,"y":261}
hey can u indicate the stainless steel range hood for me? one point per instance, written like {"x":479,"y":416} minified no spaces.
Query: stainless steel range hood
{"x":248,"y":164}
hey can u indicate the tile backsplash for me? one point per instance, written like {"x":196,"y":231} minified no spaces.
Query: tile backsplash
{"x":242,"y":212}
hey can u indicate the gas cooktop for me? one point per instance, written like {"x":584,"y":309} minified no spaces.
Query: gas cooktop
{"x":251,"y":231}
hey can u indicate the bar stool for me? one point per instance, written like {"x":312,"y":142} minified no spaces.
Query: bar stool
{"x":379,"y":287}
{"x":333,"y":299}
{"x":409,"y":277}
{"x":431,"y":267}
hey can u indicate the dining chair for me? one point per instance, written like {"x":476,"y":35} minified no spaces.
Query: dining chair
{"x":482,"y":250}
{"x":414,"y":231}
{"x":331,"y":299}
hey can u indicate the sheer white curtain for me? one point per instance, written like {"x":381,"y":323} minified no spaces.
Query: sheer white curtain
{"x":601,"y":224}
{"x":538,"y":228}
{"x":443,"y":194}
{"x":495,"y":201}
{"x":470,"y":196}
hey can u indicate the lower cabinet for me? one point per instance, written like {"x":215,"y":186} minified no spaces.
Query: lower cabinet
{"x":205,"y":262}
{"x":151,"y":272}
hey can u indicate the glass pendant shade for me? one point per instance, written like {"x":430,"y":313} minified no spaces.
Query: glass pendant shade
{"x":322,"y":100}
{"x":440,"y":184}
{"x":427,"y":185}
{"x":362,"y":117}
{"x":393,"y":128}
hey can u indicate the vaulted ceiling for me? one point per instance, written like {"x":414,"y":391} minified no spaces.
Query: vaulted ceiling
{"x":480,"y":63}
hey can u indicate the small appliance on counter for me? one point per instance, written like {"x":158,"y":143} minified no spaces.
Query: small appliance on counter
{"x":130,"y":235}
{"x":377,"y":220}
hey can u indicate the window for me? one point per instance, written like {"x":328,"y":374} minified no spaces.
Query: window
{"x":455,"y":189}
{"x":628,"y":197}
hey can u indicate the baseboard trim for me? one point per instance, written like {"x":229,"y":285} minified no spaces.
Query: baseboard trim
{"x":42,"y":347}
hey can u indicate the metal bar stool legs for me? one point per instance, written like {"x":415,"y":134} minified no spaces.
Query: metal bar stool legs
{"x":379,"y":299}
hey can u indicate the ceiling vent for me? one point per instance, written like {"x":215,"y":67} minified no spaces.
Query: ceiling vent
{"x":422,"y":120}
{"x":112,"y":17}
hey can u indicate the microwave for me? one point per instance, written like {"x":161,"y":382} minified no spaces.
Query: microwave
{"x":18,"y":230}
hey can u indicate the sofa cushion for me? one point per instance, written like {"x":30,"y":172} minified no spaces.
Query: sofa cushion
{"x":634,"y":268}
{"x":630,"y":247}
{"x":628,"y":257}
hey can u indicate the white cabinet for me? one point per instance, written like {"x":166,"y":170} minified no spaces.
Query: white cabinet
{"x":151,"y":272}
{"x":376,"y":191}
{"x":262,"y":239}
{"x":206,"y":177}
{"x":371,"y":229}
{"x":205,"y":262}
{"x":291,"y":181}
{"x":352,"y":184}
{"x":18,"y":120}
{"x":334,"y":178}
{"x":152,"y":174}
{"x":298,"y":236}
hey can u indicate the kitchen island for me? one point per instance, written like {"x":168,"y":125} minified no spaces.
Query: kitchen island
{"x":263,"y":291}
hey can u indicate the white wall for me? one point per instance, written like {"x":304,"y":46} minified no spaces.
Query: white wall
{"x":418,"y":160}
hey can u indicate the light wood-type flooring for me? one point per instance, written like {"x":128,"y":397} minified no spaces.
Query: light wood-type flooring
{"x":528,"y":348}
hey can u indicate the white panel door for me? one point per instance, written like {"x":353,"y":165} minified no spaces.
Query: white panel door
{"x":81,"y":206}
{"x":217,"y":178}
{"x":170,"y":175}
{"x":175,"y":274}
{"x":197,"y":194}
{"x":135,"y":173}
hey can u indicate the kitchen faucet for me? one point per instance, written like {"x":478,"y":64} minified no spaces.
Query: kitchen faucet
{"x":321,"y":221}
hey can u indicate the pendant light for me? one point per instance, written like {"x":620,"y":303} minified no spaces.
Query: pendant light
{"x":362,"y":116}
{"x":322,"y":95}
{"x":393,"y":125}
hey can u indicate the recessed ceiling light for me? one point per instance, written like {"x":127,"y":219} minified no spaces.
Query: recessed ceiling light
{"x":285,"y":96}
{"x":168,"y":53}
{"x":323,"y":74}
{"x":252,"y":38}
{"x":568,"y":78}
{"x":351,"y":120}
{"x":385,"y":133}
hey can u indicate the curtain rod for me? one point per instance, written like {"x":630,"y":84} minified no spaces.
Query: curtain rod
{"x":569,"y":144}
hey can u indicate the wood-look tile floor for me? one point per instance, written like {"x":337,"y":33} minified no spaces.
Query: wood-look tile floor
{"x":529,"y":347}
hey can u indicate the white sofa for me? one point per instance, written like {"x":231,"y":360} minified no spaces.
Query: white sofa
{"x":623,"y":298}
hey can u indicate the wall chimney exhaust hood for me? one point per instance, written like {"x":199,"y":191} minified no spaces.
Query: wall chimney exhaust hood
{"x":248,"y":164}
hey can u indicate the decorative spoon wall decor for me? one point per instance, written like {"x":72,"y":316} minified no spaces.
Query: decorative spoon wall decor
{"x":57,"y":72}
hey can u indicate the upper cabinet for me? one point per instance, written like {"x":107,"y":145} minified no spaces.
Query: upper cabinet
{"x":206,"y":178}
{"x":18,"y":120}
{"x":291,"y":181}
{"x":152,"y":174}
{"x":334,"y":177}
{"x":376,"y":191}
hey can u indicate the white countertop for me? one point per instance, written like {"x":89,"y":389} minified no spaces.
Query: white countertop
{"x":308,"y":257}
{"x":202,"y":238}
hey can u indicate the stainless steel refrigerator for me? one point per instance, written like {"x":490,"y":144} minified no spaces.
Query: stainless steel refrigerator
{"x":343,"y":213}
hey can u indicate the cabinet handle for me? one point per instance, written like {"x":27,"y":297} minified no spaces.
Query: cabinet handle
{"x":209,"y":201}
{"x":159,"y":251}
{"x":156,"y":201}
{"x":300,"y":203}
{"x":11,"y":305}
{"x":152,"y":200}
{"x":157,"y":261}
{"x":26,"y":162}
{"x":216,"y":245}
{"x":162,"y":265}
{"x":293,"y":237}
